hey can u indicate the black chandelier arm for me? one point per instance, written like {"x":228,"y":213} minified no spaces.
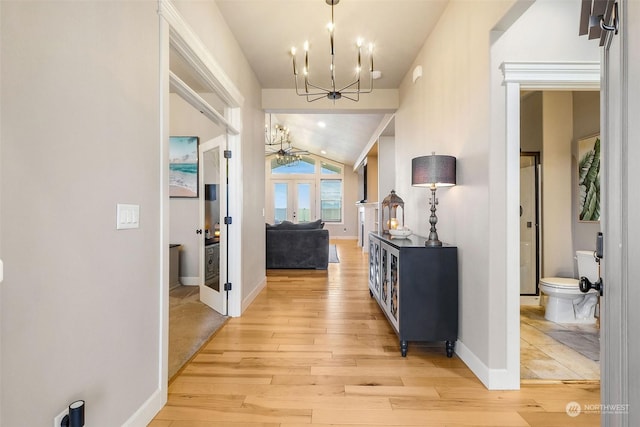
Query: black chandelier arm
{"x":354,"y":88}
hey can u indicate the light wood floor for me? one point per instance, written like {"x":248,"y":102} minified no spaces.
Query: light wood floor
{"x":315,"y":349}
{"x":543,"y":357}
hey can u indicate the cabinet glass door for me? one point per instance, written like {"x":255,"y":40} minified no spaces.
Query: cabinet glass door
{"x":394,"y":269}
{"x":376,"y":266}
{"x":384,"y":293}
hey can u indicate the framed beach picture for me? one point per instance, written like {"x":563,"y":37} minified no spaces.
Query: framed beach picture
{"x":589,"y":179}
{"x":183,"y":166}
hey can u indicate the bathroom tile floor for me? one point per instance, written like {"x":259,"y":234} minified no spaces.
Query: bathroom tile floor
{"x":544,"y":358}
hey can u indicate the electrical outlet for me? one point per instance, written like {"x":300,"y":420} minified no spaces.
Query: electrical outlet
{"x":57,"y":420}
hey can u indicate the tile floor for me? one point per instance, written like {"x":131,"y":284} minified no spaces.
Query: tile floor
{"x":544,"y":358}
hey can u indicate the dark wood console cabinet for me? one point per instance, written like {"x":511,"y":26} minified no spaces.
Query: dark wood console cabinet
{"x":416,"y":288}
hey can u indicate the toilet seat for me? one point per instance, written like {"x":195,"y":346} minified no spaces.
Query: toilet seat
{"x":560,"y":282}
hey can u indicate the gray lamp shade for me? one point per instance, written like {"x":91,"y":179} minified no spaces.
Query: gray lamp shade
{"x":433,"y":170}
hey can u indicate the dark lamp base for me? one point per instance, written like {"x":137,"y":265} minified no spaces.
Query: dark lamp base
{"x":433,"y":243}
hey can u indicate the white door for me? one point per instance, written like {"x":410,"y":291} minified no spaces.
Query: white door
{"x":213,"y":207}
{"x":294,"y":200}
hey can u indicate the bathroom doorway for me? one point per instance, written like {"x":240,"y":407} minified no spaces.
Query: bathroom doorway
{"x":550,"y":233}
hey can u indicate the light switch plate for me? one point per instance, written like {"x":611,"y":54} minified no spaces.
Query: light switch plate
{"x":127,"y":216}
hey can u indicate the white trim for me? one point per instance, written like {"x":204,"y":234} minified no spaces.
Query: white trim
{"x":235,"y":202}
{"x":163,"y":333}
{"x":493,"y":379}
{"x":535,"y":300}
{"x":553,"y":75}
{"x":252,"y":296}
{"x":198,"y":102}
{"x":517,"y":76}
{"x":147,"y":410}
{"x":175,"y":33}
{"x":342,"y":237}
{"x":374,"y":138}
{"x":189,"y":281}
{"x":185,"y":41}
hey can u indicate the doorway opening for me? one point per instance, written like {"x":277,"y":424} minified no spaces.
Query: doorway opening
{"x":517,"y":77}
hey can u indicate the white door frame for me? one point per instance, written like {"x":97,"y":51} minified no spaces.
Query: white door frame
{"x":528,"y":76}
{"x":177,"y":34}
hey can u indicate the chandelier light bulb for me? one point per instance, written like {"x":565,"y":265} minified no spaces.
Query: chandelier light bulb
{"x":306,"y":45}
{"x":330,"y":27}
{"x":359,"y":42}
{"x":370,"y":47}
{"x":293,"y":50}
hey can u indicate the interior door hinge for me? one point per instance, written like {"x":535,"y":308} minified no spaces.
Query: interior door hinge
{"x":227,"y":154}
{"x":227,"y":220}
{"x":227,"y":286}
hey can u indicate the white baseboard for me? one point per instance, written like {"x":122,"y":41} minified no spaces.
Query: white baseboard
{"x":149,"y":409}
{"x":530,"y":300}
{"x":493,"y":379}
{"x":342,"y":237}
{"x":249,"y":299}
{"x":190,"y":281}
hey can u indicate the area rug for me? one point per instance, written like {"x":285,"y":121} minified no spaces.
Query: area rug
{"x":585,"y":343}
{"x":191,"y":324}
{"x":333,"y":254}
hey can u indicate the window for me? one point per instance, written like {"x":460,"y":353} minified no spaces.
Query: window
{"x":331,"y":200}
{"x":306,"y":165}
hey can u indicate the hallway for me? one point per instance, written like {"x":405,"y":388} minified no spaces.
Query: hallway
{"x":315,"y":349}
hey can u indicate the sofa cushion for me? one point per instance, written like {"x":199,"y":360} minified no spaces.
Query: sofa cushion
{"x":288,"y":225}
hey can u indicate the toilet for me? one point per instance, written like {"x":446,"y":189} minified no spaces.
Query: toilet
{"x":565,"y":302}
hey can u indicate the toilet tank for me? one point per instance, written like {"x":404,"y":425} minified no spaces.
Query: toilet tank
{"x":587,"y":265}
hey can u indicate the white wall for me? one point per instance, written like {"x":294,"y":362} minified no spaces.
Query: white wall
{"x":80,"y":133}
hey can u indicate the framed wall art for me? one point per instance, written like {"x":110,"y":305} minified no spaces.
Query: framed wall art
{"x":589,"y":179}
{"x":183,"y":166}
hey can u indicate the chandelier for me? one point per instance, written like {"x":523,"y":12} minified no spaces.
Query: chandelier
{"x":279,"y":135}
{"x":351,"y":91}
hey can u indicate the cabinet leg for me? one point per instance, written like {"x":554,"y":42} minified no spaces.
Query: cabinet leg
{"x":449,"y":346}
{"x":404,"y":346}
{"x":370,"y":293}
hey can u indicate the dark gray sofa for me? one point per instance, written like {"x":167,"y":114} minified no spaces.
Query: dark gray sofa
{"x":297,"y":245}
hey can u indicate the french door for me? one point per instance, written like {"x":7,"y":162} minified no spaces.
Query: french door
{"x":294,"y":200}
{"x":213,"y":209}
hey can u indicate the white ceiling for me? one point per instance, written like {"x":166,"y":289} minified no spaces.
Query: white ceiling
{"x":267,"y":29}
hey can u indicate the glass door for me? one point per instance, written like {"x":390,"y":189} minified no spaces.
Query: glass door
{"x":294,"y":200}
{"x":213,"y":210}
{"x":529,"y":224}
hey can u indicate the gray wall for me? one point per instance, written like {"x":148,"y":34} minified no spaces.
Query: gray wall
{"x":80,"y":303}
{"x":80,"y":133}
